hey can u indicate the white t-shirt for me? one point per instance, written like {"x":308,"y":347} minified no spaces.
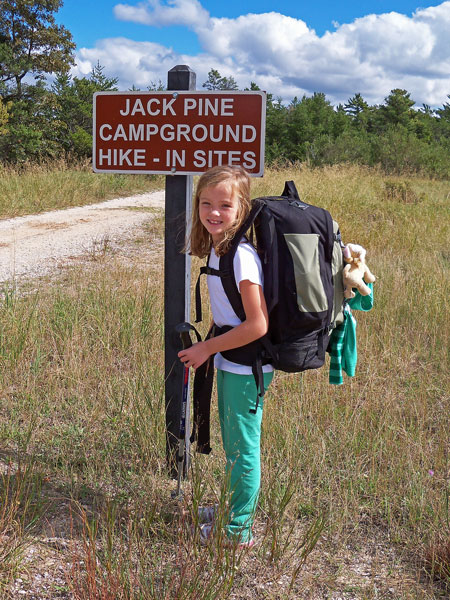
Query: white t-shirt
{"x":246,"y":265}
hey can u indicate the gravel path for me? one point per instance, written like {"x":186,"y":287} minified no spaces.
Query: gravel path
{"x":35,"y":245}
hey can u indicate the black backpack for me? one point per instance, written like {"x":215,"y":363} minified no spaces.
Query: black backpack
{"x":300,"y":249}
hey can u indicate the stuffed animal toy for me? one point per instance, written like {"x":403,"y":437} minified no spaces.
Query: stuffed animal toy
{"x":356,"y":273}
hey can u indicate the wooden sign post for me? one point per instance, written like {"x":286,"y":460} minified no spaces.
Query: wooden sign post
{"x":177,"y":288}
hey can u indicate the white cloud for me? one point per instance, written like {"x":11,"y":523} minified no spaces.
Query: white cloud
{"x":172,"y":12}
{"x":134,"y":63}
{"x":267,"y":36}
{"x":372,"y":55}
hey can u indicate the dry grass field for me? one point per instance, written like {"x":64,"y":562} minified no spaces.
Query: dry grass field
{"x":37,"y":188}
{"x":356,"y":478}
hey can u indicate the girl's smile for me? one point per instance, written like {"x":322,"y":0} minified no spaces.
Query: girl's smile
{"x":218,"y":210}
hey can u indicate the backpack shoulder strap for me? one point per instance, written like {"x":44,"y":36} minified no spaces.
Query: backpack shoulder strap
{"x":226,"y":272}
{"x":206,"y":270}
{"x":267,"y":245}
{"x":203,"y":384}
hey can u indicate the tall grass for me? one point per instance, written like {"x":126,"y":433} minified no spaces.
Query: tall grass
{"x":21,"y":507}
{"x":362,"y":466}
{"x":39,"y":188}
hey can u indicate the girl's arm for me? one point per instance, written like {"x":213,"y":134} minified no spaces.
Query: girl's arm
{"x":255,"y":326}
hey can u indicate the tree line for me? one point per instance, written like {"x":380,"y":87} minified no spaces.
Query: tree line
{"x":41,"y":120}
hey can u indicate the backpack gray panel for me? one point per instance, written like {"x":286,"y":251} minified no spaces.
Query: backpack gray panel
{"x":337,"y":267}
{"x":304,"y":249}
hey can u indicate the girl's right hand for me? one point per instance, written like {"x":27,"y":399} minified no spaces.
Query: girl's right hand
{"x":194,"y":356}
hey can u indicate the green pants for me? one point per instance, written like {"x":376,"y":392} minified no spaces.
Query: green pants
{"x":241,"y":435}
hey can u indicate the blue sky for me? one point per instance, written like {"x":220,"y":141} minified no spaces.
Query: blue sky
{"x":289,"y":48}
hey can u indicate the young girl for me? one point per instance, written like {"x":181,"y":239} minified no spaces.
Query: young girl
{"x":222,"y":203}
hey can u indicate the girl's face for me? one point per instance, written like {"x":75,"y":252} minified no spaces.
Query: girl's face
{"x":218,"y":210}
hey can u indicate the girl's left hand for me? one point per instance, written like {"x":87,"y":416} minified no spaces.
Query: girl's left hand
{"x":194,"y":356}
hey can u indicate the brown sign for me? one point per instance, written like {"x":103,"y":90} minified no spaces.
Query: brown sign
{"x":178,"y":132}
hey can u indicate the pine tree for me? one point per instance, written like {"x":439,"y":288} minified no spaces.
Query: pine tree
{"x":216,"y":82}
{"x":397,"y":109}
{"x":74,"y":107}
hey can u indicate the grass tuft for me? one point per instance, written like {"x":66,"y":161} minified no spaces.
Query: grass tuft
{"x":437,"y":558}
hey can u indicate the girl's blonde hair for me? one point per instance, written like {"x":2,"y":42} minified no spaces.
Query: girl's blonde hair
{"x":239,"y":180}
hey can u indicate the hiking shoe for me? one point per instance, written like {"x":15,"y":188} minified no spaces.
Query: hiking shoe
{"x":239,"y":545}
{"x":207,"y":514}
{"x":206,"y":533}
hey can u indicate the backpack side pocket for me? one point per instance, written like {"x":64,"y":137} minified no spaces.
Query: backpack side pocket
{"x":337,"y":267}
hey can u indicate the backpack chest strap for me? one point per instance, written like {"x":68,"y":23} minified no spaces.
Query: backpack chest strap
{"x":207,"y":270}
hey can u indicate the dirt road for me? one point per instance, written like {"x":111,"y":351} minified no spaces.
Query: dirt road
{"x":36,"y":245}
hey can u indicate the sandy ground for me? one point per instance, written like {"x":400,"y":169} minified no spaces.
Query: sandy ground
{"x":36,"y":245}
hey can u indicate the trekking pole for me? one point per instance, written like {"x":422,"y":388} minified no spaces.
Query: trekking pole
{"x":182,"y":458}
